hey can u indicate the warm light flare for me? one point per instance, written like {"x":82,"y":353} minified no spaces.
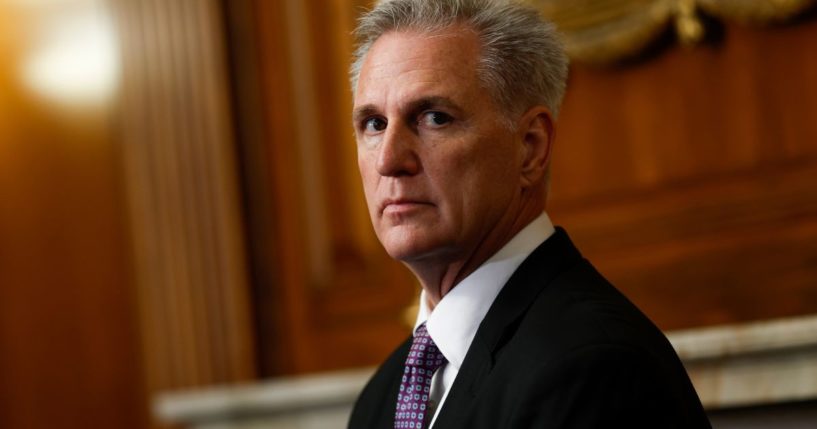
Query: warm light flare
{"x":75,"y":61}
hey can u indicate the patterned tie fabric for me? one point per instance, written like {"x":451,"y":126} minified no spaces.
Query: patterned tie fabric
{"x":412,"y":402}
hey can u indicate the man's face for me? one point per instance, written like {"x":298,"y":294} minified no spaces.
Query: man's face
{"x":440,"y":166}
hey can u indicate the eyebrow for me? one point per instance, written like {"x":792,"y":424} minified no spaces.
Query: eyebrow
{"x":418,"y":105}
{"x":426,"y":103}
{"x":363,"y":112}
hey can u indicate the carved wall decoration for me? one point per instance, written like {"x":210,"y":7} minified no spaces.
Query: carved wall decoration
{"x":191,"y":280}
{"x":605,"y":31}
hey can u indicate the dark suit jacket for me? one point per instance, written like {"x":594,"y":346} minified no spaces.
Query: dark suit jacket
{"x":559,"y":348}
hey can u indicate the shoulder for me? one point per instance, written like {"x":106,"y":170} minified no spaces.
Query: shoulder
{"x":557,"y":301}
{"x":605,"y":384}
{"x":580,"y":309}
{"x":585,"y":345}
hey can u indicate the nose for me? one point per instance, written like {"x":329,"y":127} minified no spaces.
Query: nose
{"x":397,"y":156}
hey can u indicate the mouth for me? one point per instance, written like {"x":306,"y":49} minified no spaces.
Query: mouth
{"x":399,"y":206}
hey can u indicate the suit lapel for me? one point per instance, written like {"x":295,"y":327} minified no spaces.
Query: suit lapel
{"x":533,"y":275}
{"x":395,"y":375}
{"x":376,"y":405}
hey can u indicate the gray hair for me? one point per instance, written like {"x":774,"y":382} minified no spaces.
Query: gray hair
{"x":523,"y":61}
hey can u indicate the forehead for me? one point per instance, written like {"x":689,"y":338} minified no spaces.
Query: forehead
{"x":409,"y":62}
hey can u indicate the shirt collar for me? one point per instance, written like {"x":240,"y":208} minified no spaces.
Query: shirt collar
{"x":454,"y":321}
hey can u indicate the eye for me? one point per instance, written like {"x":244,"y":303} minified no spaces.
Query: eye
{"x":435,"y":119}
{"x":374,"y":125}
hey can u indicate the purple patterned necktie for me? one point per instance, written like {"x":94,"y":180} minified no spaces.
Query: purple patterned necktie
{"x":412,"y":403}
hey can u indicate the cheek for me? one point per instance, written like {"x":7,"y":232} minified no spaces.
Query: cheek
{"x":368,"y":178}
{"x":365,"y":163}
{"x":454,"y":185}
{"x":488,"y":176}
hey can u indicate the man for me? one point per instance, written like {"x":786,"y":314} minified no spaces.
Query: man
{"x":454,"y":107}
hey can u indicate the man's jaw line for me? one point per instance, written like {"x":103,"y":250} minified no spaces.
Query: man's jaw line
{"x":438,"y":274}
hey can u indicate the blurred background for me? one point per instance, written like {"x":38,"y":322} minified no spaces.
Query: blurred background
{"x":180,"y":206}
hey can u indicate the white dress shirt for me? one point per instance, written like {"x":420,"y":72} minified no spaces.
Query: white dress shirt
{"x":454,"y":321}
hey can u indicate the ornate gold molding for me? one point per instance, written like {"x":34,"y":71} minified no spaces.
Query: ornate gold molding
{"x":755,"y":11}
{"x":605,"y":31}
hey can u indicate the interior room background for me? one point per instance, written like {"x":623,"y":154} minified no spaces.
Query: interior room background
{"x":180,"y":205}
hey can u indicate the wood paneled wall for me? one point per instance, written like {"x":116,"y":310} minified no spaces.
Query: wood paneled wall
{"x":123,"y":270}
{"x":69,"y":348}
{"x":690,"y":178}
{"x":190,"y":269}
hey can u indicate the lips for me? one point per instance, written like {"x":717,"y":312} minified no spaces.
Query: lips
{"x":401,"y":205}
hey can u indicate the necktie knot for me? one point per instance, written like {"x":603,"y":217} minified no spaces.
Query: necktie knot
{"x":424,"y":353}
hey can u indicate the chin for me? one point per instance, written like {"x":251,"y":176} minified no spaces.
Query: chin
{"x":413,"y":250}
{"x":413,"y":242}
{"x":403,"y":253}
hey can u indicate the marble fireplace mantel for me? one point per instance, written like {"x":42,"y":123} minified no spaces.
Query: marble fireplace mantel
{"x":759,"y":363}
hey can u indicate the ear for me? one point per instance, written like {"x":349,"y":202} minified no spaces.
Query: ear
{"x":536,"y":132}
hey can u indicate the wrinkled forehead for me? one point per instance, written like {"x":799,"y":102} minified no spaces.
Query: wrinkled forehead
{"x":419,"y":58}
{"x":421,"y":31}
